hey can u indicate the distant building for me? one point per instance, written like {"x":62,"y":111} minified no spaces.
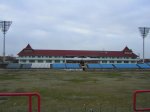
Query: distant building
{"x":145,"y":60}
{"x":8,"y":59}
{"x":30,"y":55}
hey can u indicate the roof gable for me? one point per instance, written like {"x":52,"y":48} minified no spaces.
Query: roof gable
{"x":28,"y":47}
{"x":126,"y":49}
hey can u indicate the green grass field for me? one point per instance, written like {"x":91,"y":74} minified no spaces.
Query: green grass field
{"x":74,"y":91}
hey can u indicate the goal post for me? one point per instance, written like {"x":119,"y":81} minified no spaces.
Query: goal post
{"x":29,"y":95}
{"x":135,"y":96}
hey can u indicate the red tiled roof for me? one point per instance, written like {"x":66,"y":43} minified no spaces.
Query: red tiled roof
{"x":35,"y":52}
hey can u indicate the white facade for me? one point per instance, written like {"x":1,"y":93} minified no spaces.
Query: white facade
{"x":53,"y":59}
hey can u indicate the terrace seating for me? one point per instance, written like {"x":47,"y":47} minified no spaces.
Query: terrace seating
{"x":35,"y":65}
{"x":144,"y":66}
{"x":73,"y":66}
{"x":94,"y":66}
{"x":13,"y":66}
{"x":44,"y":65}
{"x":40,"y":65}
{"x":107,"y":66}
{"x":126,"y":66}
{"x":26,"y":66}
{"x":59,"y":66}
{"x":148,"y":63}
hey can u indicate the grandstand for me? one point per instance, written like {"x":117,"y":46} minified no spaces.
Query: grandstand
{"x":126,"y":66}
{"x":26,"y":66}
{"x":73,"y":66}
{"x":77,"y":66}
{"x":59,"y":66}
{"x":143,"y":66}
{"x":107,"y":66}
{"x":66,"y":66}
{"x":40,"y":65}
{"x":148,"y":63}
{"x":94,"y":66}
{"x":13,"y":66}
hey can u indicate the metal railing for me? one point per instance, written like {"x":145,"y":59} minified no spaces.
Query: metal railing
{"x":29,"y":95}
{"x":135,"y":108}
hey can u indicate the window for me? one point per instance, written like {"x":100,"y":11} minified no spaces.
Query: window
{"x":104,"y":61}
{"x":133,"y":61}
{"x":111,"y":61}
{"x":23,"y":61}
{"x":48,"y":61}
{"x":40,"y":61}
{"x":57,"y":61}
{"x":126,"y":61}
{"x":31,"y":61}
{"x":119,"y":62}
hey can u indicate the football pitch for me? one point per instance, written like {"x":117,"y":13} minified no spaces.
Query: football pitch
{"x":74,"y":91}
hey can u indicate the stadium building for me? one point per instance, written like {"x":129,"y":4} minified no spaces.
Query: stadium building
{"x":30,"y":55}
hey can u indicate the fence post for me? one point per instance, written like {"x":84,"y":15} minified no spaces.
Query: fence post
{"x":30,"y":103}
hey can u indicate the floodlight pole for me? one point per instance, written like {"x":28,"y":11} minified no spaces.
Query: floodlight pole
{"x":143,"y":36}
{"x":144,"y":32}
{"x":143,"y":49}
{"x":4,"y":47}
{"x":4,"y":26}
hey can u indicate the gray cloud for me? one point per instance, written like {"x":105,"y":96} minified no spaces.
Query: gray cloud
{"x":75,"y":24}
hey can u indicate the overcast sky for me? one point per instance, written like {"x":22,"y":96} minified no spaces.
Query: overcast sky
{"x":75,"y":24}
